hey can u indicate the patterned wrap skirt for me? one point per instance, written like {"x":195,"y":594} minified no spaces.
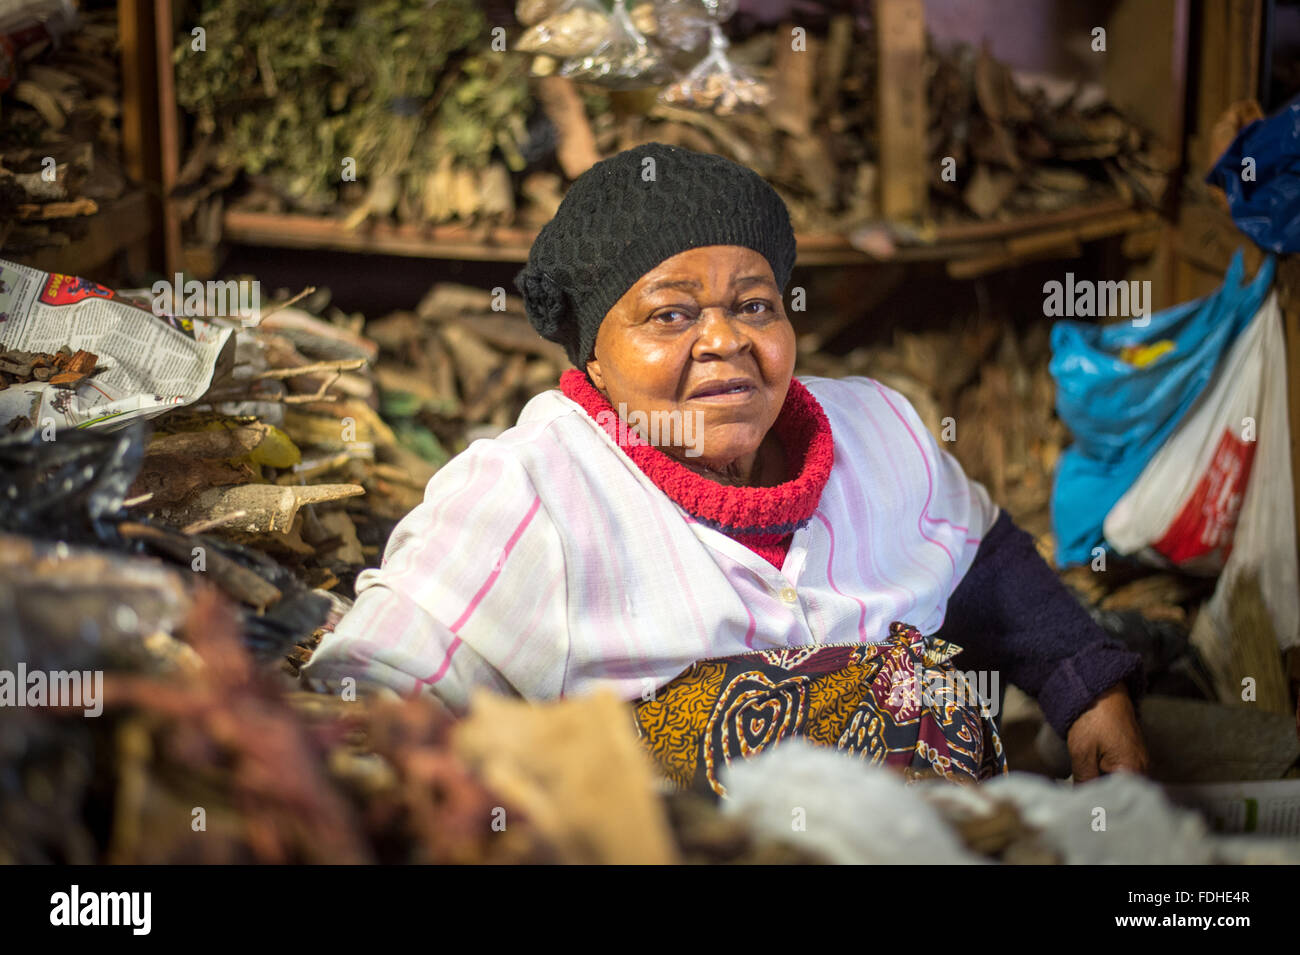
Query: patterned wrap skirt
{"x":899,"y":703}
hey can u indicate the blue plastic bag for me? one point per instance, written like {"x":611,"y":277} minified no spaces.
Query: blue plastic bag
{"x":1266,"y":206}
{"x":1119,"y":413}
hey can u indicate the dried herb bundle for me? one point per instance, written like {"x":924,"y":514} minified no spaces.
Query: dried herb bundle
{"x":412,"y":93}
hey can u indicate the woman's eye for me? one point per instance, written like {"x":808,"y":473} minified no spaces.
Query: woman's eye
{"x":755,"y":307}
{"x":672,"y":316}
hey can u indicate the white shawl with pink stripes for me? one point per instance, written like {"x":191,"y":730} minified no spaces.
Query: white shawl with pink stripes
{"x":544,"y":563}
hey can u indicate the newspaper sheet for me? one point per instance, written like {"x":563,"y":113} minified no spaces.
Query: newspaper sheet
{"x":150,"y":363}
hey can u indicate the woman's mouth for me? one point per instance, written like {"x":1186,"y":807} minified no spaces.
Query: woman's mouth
{"x":731,"y":389}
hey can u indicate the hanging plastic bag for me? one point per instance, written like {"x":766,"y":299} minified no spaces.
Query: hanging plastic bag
{"x":681,"y":24}
{"x":1184,"y":506}
{"x":576,"y":27}
{"x":1260,"y":172}
{"x":1122,"y":389}
{"x":1264,"y":544}
{"x":623,"y":60}
{"x":1217,"y":497}
{"x":721,"y":11}
{"x":716,"y":84}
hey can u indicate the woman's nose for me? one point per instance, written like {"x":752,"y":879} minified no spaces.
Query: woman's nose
{"x":719,"y":333}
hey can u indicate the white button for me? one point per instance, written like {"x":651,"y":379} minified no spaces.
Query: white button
{"x":788,"y":595}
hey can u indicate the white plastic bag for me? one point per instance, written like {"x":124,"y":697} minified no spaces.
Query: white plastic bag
{"x":716,"y":84}
{"x":573,"y":28}
{"x":1217,"y":497}
{"x":681,"y":24}
{"x":624,"y":60}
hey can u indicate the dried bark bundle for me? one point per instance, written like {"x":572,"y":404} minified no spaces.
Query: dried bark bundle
{"x":461,"y":365}
{"x":284,"y":456}
{"x":260,"y":503}
{"x":285,"y":778}
{"x":64,"y":368}
{"x":64,"y":107}
{"x":215,"y":762}
{"x":1015,"y":152}
{"x":1019,"y":151}
{"x":218,"y":762}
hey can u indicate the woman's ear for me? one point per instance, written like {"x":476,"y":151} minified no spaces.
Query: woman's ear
{"x":597,"y":379}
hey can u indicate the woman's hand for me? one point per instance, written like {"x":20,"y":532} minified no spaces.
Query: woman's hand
{"x":1106,"y":737}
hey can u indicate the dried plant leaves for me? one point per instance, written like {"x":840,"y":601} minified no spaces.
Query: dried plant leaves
{"x":407,"y":84}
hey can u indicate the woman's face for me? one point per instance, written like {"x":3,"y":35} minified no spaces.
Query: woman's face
{"x":703,"y":334}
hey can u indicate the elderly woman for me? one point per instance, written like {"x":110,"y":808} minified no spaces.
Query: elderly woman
{"x":743,"y":554}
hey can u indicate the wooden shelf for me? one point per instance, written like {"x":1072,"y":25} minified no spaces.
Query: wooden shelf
{"x":117,"y":225}
{"x":981,"y":245}
{"x":1149,"y":55}
{"x":430,"y":242}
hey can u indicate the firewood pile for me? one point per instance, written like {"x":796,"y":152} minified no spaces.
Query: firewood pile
{"x":460,"y":366}
{"x":511,"y":139}
{"x":60,"y":147}
{"x":1013,"y":151}
{"x":1019,"y":150}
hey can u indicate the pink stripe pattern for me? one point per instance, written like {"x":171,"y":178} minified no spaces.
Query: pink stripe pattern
{"x":544,"y":563}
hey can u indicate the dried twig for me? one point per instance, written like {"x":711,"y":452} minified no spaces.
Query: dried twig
{"x":346,"y":364}
{"x":285,"y":304}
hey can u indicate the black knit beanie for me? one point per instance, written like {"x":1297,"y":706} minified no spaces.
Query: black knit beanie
{"x":624,"y":216}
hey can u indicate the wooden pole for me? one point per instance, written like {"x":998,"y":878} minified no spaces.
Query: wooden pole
{"x":168,"y":134}
{"x":140,"y":148}
{"x":903,"y":116}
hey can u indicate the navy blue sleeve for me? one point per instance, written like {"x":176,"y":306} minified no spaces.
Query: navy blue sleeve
{"x":1012,"y":614}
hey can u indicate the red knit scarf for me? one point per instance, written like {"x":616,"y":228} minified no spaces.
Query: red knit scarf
{"x":764,"y":519}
